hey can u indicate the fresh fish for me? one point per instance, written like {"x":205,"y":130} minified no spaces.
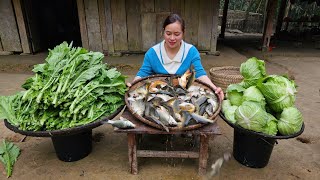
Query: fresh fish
{"x":201,"y":119}
{"x":165,"y":117}
{"x":209,"y":109}
{"x":214,"y":105}
{"x":156,"y":120}
{"x":155,"y":86}
{"x":187,"y":107}
{"x":186,"y":117}
{"x":191,"y":78}
{"x":184,"y":79}
{"x":123,"y":123}
{"x":216,"y":166}
{"x":138,"y":106}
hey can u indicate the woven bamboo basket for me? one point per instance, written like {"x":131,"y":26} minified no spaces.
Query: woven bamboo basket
{"x":225,"y":75}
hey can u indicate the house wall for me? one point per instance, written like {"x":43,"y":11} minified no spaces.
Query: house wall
{"x":115,"y":26}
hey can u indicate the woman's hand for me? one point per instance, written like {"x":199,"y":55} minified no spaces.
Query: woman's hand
{"x":220,"y":93}
{"x":134,"y":80}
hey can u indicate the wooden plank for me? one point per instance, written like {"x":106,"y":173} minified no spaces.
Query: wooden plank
{"x":146,"y":6}
{"x":93,"y":25}
{"x":268,"y":28}
{"x":21,"y":26}
{"x":224,"y":18}
{"x":214,"y":29}
{"x":203,"y":151}
{"x":148,"y":29}
{"x":205,"y":23}
{"x":132,"y":153}
{"x":177,"y":6}
{"x":103,"y":27}
{"x":168,"y":154}
{"x":160,"y":17}
{"x":162,"y":5}
{"x":83,"y":24}
{"x":1,"y":48}
{"x":109,"y":26}
{"x":8,"y":28}
{"x":192,"y":21}
{"x":118,"y":14}
{"x":133,"y":24}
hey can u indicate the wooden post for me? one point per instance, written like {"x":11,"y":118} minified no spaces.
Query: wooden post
{"x":271,"y":8}
{"x":280,"y":16}
{"x":109,"y":26}
{"x":132,"y":152}
{"x":203,"y":153}
{"x":83,"y":24}
{"x":214,"y":29}
{"x":224,"y":18}
{"x":21,"y":27}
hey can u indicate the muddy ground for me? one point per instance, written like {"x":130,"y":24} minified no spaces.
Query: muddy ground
{"x":296,"y":158}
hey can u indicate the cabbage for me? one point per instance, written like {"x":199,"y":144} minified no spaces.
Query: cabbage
{"x":290,"y":121}
{"x":229,"y":110}
{"x":252,"y":70}
{"x":254,"y":94}
{"x":278,"y":91}
{"x":234,"y":94}
{"x":250,"y":115}
{"x":271,"y":127}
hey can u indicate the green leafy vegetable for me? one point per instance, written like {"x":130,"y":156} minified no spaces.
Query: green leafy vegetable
{"x":252,"y":70}
{"x":235,"y":93}
{"x":8,"y":155}
{"x":72,"y":88}
{"x":290,"y":121}
{"x":279,"y":92}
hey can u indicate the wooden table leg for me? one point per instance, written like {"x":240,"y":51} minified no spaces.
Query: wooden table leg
{"x":203,"y":153}
{"x":132,"y":152}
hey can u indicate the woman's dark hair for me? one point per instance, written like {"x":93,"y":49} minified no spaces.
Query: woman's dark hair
{"x":172,"y":18}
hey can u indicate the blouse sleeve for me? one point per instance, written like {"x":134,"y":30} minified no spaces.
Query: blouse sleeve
{"x":146,"y":68}
{"x":196,"y":61}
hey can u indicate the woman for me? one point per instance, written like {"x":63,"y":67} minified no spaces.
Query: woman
{"x":173,"y":55}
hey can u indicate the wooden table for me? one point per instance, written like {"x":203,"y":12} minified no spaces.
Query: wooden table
{"x":204,"y":132}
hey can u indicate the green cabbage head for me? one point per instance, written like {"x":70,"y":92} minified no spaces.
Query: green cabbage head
{"x":229,"y":110}
{"x":271,"y":127}
{"x":279,"y":92}
{"x":254,"y":94}
{"x":252,"y":70}
{"x":234,"y":93}
{"x":250,"y":115}
{"x":290,"y":121}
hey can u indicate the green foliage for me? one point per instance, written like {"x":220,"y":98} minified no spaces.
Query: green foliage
{"x":72,"y":88}
{"x":8,"y":155}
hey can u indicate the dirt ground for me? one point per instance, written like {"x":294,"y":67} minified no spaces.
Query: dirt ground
{"x":296,"y":158}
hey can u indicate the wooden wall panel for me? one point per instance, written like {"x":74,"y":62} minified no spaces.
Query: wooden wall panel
{"x":148,"y":29}
{"x":93,"y":25}
{"x":205,"y":24}
{"x":119,"y":25}
{"x":9,"y":34}
{"x":109,"y":28}
{"x":191,"y":18}
{"x":147,"y":6}
{"x":21,"y":26}
{"x":133,"y":24}
{"x":103,"y":27}
{"x":83,"y":24}
{"x":214,"y":29}
{"x":177,"y":6}
{"x":162,"y":5}
{"x":160,"y":17}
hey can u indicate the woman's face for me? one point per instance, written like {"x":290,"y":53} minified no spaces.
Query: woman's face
{"x":173,"y":35}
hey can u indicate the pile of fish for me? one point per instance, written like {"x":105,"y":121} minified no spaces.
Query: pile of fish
{"x":174,"y":102}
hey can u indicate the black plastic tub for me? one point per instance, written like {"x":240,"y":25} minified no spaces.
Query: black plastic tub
{"x":73,"y":147}
{"x":70,"y":144}
{"x":254,"y":149}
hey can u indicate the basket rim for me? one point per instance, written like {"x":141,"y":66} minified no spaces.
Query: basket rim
{"x":225,"y":76}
